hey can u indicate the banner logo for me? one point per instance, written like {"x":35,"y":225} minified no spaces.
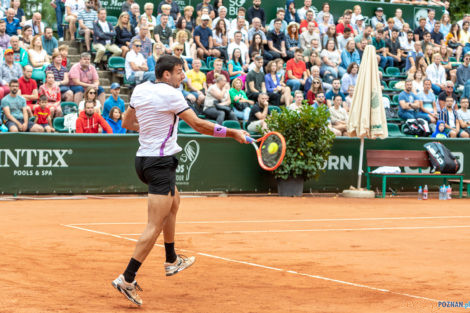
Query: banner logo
{"x":187,"y":160}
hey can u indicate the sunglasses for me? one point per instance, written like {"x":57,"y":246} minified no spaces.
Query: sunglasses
{"x":178,"y":49}
{"x":138,"y":46}
{"x":92,"y":93}
{"x":316,"y":83}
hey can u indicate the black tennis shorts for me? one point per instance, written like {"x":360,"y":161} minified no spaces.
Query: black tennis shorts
{"x":159,"y":173}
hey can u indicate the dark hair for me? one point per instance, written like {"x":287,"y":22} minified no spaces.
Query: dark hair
{"x":43,"y":98}
{"x":218,"y":29}
{"x":166,"y":63}
{"x":347,"y":30}
{"x":299,"y":50}
{"x":46,"y":28}
{"x":179,"y":23}
{"x":380,"y":31}
{"x":13,"y":81}
{"x":334,"y":98}
{"x":239,"y":58}
{"x":350,"y":67}
{"x":277,"y":20}
{"x":111,"y":112}
{"x":253,"y":46}
{"x":89,"y":101}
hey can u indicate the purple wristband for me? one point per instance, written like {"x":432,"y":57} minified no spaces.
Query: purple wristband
{"x":220,"y":131}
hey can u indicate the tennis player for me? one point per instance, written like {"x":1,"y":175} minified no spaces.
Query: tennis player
{"x":154,"y":111}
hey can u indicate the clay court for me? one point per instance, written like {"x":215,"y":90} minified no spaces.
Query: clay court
{"x":254,"y":254}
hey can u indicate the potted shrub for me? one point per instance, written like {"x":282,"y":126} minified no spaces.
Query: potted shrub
{"x":308,"y":145}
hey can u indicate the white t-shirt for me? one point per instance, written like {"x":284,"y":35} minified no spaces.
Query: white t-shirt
{"x":157,"y":106}
{"x":81,"y":105}
{"x":75,"y":6}
{"x":333,"y":56}
{"x":133,"y":57}
{"x":243,"y":49}
{"x":464,"y":116}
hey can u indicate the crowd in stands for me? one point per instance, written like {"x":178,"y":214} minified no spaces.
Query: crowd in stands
{"x":236,"y":69}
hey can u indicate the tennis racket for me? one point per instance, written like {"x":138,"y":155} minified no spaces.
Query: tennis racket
{"x":270,"y":150}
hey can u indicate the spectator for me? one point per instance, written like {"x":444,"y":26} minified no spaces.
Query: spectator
{"x":277,"y":41}
{"x":166,"y":11}
{"x":349,"y":98}
{"x":28,"y":88}
{"x":146,"y":49}
{"x":452,"y":40}
{"x":407,"y":43}
{"x":189,"y":49}
{"x":381,"y":50}
{"x":38,"y":57}
{"x":259,"y":112}
{"x":218,"y":63}
{"x":9,"y":71}
{"x":136,"y":65}
{"x":398,"y":19}
{"x":346,"y":23}
{"x":463,"y":76}
{"x":255,"y":83}
{"x":256,"y":11}
{"x":72,"y":9}
{"x":217,"y":104}
{"x":49,"y":43}
{"x":61,"y":76}
{"x":59,"y":7}
{"x":344,"y":38}
{"x":197,"y":79}
{"x":236,"y":67}
{"x":367,"y":34}
{"x":174,"y":10}
{"x":113,"y":101}
{"x":349,"y":55}
{"x":297,"y":104}
{"x":463,"y":115}
{"x":430,"y":21}
{"x":134,"y":15}
{"x":350,"y":77}
{"x":331,"y":60}
{"x":239,"y":44}
{"x":394,"y":51}
{"x":319,"y":101}
{"x":445,"y":24}
{"x":205,"y":4}
{"x":257,"y":46}
{"x":439,"y":133}
{"x":163,"y":33}
{"x":126,"y":5}
{"x":339,"y":116}
{"x":306,"y":38}
{"x":42,"y":115}
{"x":222,"y":16}
{"x":378,"y":18}
{"x":51,"y":91}
{"x":451,"y":120}
{"x":86,"y":19}
{"x":178,"y":52}
{"x":418,"y":82}
{"x":296,"y":71}
{"x":448,"y":92}
{"x":83,"y":75}
{"x":315,"y":88}
{"x":64,"y":53}
{"x":437,"y":74}
{"x":203,"y":38}
{"x":89,"y":121}
{"x":292,"y":39}
{"x":411,"y":64}
{"x":324,"y":25}
{"x":103,"y":38}
{"x":114,"y":120}
{"x":16,"y":113}
{"x":158,"y":51}
{"x":240,"y":103}
{"x":19,"y":12}
{"x":310,"y":18}
{"x":335,"y":91}
{"x":241,"y":12}
{"x":20,"y":55}
{"x":410,"y":104}
{"x":420,"y":30}
{"x":359,"y":26}
{"x":279,"y":16}
{"x":4,"y":38}
{"x":148,"y":13}
{"x":37,"y":26}
{"x":275,"y":84}
{"x":124,"y":33}
{"x":436,"y":36}
{"x":12,"y":23}
{"x":90,"y":95}
{"x":325,"y":11}
{"x":239,"y":27}
{"x":464,"y":36}
{"x":428,"y":101}
{"x":220,"y":40}
{"x":188,"y":17}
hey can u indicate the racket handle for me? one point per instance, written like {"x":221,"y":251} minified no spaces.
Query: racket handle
{"x":249,"y":139}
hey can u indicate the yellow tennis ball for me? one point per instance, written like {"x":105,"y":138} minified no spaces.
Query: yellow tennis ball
{"x":272,"y":148}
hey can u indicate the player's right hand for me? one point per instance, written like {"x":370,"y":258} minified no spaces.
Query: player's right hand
{"x":240,"y":135}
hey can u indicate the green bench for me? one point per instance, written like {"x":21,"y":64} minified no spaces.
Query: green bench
{"x":411,"y":158}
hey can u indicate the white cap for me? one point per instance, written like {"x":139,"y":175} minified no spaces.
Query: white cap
{"x":359,"y":18}
{"x":205,"y":17}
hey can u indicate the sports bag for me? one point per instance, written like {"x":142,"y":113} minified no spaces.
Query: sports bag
{"x":441,"y":159}
{"x":417,"y":127}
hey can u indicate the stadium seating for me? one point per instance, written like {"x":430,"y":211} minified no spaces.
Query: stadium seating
{"x":184,"y":128}
{"x":394,"y":130}
{"x":231,"y":124}
{"x":58,"y":124}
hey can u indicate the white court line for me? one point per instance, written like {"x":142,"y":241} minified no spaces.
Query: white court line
{"x":290,"y":221}
{"x":342,"y":282}
{"x":311,"y":230}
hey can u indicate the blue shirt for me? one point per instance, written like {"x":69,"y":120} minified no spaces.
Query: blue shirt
{"x":348,"y":57}
{"x":116,"y":126}
{"x":110,"y":103}
{"x":330,"y":95}
{"x":204,"y":34}
{"x":12,"y":28}
{"x":407,"y":97}
{"x":49,"y":45}
{"x":414,"y":55}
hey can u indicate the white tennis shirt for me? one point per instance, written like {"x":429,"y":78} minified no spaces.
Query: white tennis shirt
{"x":157,"y":106}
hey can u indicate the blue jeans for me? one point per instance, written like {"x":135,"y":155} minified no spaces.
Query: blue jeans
{"x":436,"y":89}
{"x":245,"y":114}
{"x":294,"y":84}
{"x":386,"y":61}
{"x":59,"y":12}
{"x":332,"y":70}
{"x":149,"y":75}
{"x":409,"y":114}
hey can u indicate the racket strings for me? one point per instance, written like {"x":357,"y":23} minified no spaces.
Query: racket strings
{"x":271,"y":159}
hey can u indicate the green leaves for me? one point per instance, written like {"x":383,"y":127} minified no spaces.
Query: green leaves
{"x":308,"y":140}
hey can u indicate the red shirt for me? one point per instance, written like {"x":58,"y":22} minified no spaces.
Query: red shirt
{"x":27,"y":87}
{"x":340,"y":28}
{"x":304,"y":23}
{"x":42,"y":115}
{"x":297,"y":69}
{"x":64,"y":61}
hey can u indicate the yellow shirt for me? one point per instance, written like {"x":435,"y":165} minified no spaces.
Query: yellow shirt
{"x":464,"y":37}
{"x":197,"y":79}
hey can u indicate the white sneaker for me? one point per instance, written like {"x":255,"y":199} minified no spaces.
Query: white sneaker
{"x":128,"y":289}
{"x":180,"y":264}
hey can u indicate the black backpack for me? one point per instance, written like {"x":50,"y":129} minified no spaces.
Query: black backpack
{"x":417,"y":127}
{"x":442,"y":160}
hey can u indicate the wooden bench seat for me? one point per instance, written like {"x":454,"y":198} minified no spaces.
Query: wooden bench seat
{"x":401,"y":158}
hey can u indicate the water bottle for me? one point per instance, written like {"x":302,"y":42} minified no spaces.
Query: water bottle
{"x":441,"y":192}
{"x":449,"y":193}
{"x":420,"y":193}
{"x":425,"y":192}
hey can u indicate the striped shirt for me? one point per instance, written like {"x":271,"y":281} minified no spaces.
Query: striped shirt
{"x":157,"y":107}
{"x":58,"y":74}
{"x":88,"y":17}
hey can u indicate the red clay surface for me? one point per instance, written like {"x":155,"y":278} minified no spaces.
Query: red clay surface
{"x":253,"y":255}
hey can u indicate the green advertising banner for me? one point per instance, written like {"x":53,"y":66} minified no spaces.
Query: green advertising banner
{"x":410,"y":13}
{"x":73,"y":163}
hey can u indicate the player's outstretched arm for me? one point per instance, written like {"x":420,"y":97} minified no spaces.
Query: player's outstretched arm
{"x":129,"y":120}
{"x":209,"y":128}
